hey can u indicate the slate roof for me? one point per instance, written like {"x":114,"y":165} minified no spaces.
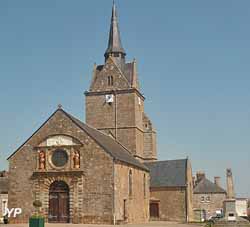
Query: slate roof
{"x":114,"y":44}
{"x":111,"y":146}
{"x":128,"y":72}
{"x":170,"y":173}
{"x":4,"y":185}
{"x":206,"y":186}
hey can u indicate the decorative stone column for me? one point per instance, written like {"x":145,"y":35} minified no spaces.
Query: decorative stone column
{"x":230,"y":185}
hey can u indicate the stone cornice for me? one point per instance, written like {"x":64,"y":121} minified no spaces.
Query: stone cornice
{"x":57,"y":173}
{"x":130,"y":90}
{"x":163,"y":188}
{"x":58,"y":146}
{"x":121,"y":127}
{"x":146,"y":159}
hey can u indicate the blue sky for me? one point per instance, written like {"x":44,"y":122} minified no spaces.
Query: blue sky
{"x":194,"y":65}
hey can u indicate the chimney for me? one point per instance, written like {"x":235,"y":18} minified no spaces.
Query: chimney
{"x":200,"y":175}
{"x":230,"y":185}
{"x":217,"y":181}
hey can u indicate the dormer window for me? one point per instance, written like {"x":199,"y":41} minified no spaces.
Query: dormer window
{"x":110,"y":81}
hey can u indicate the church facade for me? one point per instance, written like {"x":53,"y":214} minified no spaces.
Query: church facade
{"x":79,"y":174}
{"x":90,"y":172}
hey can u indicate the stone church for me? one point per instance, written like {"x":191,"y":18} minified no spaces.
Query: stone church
{"x":94,"y":172}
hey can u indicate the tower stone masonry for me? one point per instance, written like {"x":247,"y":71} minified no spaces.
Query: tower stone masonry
{"x":114,"y":102}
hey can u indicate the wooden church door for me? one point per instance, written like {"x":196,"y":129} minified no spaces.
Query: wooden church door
{"x":59,"y":202}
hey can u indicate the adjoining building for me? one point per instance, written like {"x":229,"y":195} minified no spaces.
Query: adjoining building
{"x":208,"y":197}
{"x":171,"y":190}
{"x":241,"y":205}
{"x":4,"y":187}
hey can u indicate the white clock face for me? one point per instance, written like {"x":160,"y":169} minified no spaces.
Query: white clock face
{"x":109,"y":98}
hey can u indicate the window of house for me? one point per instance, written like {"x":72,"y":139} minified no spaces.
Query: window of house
{"x":208,"y":199}
{"x":202,"y":199}
{"x":110,"y":81}
{"x":130,"y":183}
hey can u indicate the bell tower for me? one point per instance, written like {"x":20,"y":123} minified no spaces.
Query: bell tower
{"x":114,"y":103}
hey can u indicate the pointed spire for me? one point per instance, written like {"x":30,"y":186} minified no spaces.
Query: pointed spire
{"x":114,"y":45}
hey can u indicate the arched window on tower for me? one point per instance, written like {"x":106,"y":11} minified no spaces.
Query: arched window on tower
{"x":144,"y":185}
{"x":130,"y":182}
{"x":110,"y":81}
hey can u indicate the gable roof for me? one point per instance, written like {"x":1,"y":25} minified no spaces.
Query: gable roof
{"x":4,"y":185}
{"x":128,"y":71}
{"x":170,"y":173}
{"x":111,"y":146}
{"x":206,"y":186}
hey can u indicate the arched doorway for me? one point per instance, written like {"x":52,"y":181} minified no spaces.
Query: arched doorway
{"x":58,"y":202}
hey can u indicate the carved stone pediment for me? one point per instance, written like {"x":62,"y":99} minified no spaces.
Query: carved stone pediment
{"x":58,"y":152}
{"x":59,"y":140}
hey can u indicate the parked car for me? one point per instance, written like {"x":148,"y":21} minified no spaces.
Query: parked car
{"x":215,"y":218}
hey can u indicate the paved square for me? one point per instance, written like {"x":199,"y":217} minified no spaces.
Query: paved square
{"x":150,"y":224}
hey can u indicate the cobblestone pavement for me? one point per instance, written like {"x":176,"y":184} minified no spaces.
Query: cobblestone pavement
{"x":151,"y":224}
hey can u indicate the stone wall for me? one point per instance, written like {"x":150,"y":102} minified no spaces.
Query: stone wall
{"x":209,"y":202}
{"x":123,"y":118}
{"x":150,"y":151}
{"x":21,"y":194}
{"x":172,"y":203}
{"x":132,"y":208}
{"x":100,"y":78}
{"x":150,"y":146}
